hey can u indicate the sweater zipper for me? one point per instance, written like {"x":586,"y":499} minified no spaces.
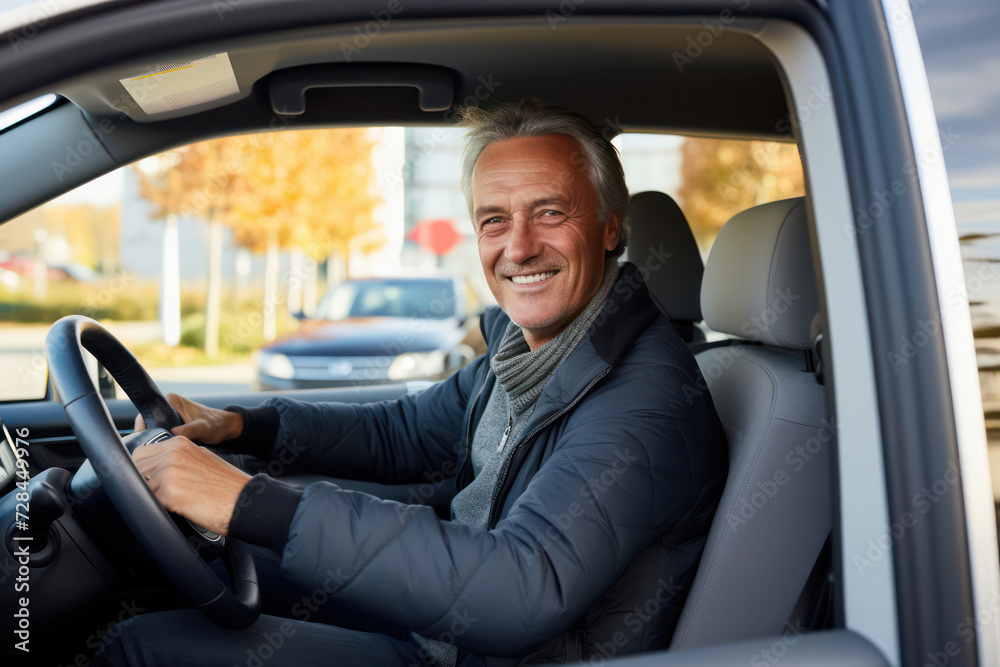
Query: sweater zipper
{"x":510,"y":458}
{"x":506,"y":433}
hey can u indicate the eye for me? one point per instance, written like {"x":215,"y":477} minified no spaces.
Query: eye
{"x":493,"y":220}
{"x":551,"y":215}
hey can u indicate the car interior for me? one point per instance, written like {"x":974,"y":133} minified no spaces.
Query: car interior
{"x":769,"y":567}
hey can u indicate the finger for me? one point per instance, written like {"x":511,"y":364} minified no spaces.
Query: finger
{"x":153,"y":449}
{"x":192,"y":430}
{"x":178,"y":404}
{"x":144,"y":452}
{"x":149,"y":470}
{"x":146,"y":468}
{"x":140,"y":423}
{"x":151,"y":474}
{"x":157,"y":455}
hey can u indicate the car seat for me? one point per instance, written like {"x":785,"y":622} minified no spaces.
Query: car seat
{"x":774,"y":516}
{"x":662,"y":246}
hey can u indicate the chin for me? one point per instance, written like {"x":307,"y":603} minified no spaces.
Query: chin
{"x":532,"y":321}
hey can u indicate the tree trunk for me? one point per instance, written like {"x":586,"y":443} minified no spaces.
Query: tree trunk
{"x":271,"y":294}
{"x":170,"y":285}
{"x":334,"y":270}
{"x":296,"y":276}
{"x":310,"y":269}
{"x":244,"y":266}
{"x":213,"y":298}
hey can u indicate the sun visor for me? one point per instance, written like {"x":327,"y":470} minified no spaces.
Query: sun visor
{"x":175,"y":86}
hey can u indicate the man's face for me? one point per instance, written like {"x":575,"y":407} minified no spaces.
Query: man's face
{"x":540,"y":241}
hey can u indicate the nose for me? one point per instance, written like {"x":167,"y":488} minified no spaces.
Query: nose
{"x":523,"y":242}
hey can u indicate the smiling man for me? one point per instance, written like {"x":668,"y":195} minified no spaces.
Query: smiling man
{"x":542,"y":243}
{"x":586,"y":478}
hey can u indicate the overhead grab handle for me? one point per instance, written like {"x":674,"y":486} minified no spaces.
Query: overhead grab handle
{"x":288,"y":87}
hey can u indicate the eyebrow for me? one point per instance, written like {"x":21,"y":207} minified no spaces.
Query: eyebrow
{"x":544,"y":201}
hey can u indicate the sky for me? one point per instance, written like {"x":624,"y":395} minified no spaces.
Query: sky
{"x":962,"y":56}
{"x":962,"y":59}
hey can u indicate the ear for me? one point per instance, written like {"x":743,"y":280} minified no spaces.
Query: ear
{"x":612,"y":232}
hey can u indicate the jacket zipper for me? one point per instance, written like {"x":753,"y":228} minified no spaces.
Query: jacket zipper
{"x":510,"y":458}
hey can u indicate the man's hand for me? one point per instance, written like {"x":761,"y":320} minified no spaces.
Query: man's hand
{"x":202,"y":423}
{"x":192,"y":481}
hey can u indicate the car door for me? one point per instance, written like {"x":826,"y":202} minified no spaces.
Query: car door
{"x":925,"y":371}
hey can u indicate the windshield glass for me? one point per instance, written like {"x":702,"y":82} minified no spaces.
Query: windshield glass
{"x":205,"y":259}
{"x":396,"y":298}
{"x":13,"y":116}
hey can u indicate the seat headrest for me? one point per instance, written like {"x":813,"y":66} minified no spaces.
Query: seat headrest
{"x":662,"y":246}
{"x":759,"y":282}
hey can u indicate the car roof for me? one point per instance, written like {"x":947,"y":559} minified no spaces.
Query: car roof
{"x":562,"y":59}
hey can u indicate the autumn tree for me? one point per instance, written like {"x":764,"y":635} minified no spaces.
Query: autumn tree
{"x":194,"y":181}
{"x":720,"y":178}
{"x":309,"y":191}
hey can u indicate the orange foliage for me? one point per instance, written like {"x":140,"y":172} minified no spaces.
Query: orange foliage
{"x":721,"y":177}
{"x":310,"y":189}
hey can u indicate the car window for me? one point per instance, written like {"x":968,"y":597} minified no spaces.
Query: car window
{"x":388,"y":298}
{"x":305,"y":259}
{"x":21,"y":112}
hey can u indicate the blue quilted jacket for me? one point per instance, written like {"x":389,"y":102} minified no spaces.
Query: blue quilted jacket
{"x":597,"y":522}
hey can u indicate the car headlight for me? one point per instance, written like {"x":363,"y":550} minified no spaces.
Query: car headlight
{"x":276,"y":365}
{"x":417,"y":364}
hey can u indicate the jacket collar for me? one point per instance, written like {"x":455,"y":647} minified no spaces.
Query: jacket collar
{"x":626,"y":313}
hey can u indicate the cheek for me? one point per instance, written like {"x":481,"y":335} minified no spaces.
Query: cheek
{"x":578,"y":246}
{"x":488,"y":255}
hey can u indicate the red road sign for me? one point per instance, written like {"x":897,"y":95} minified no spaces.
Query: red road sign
{"x":438,"y":236}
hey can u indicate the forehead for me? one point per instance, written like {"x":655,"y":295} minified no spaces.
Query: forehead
{"x":550,"y":159}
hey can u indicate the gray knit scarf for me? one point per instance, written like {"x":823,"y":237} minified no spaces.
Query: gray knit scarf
{"x":519,"y":368}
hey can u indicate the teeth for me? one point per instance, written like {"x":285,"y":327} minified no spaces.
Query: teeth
{"x":524,"y":280}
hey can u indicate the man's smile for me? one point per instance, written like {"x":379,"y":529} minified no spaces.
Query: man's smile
{"x":531,"y":277}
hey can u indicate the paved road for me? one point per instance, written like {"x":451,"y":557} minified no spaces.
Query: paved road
{"x":22,"y":364}
{"x":194,"y":380}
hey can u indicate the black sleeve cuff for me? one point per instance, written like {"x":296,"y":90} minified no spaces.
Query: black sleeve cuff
{"x":260,"y":431}
{"x":264,"y":512}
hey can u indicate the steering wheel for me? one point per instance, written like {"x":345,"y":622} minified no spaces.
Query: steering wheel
{"x":151,"y":524}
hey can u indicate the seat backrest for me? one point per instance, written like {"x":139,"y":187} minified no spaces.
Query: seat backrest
{"x":775,"y":511}
{"x":662,"y":246}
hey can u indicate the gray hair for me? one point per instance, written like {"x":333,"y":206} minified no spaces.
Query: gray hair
{"x":531,"y":117}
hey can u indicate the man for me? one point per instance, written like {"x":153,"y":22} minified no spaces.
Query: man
{"x":587,"y":482}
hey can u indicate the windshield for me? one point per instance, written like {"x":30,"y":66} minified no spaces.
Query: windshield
{"x":200,"y":257}
{"x":398,"y":298}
